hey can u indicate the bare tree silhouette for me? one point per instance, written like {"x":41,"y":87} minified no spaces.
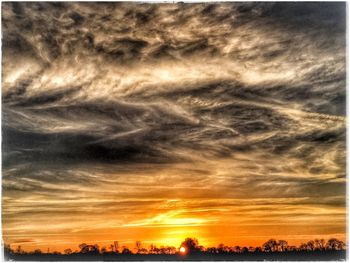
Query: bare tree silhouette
{"x":67,"y":251}
{"x":111,"y":248}
{"x":270,"y":246}
{"x":310,"y":245}
{"x":116,"y":247}
{"x":335,"y":244}
{"x":283,"y":245}
{"x":191,"y":245}
{"x":320,"y":244}
{"x":19,"y":250}
{"x":138,"y":246}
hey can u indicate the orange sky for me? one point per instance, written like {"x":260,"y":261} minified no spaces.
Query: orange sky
{"x":157,"y":212}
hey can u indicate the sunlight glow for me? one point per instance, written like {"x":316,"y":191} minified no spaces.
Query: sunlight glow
{"x":182,"y":250}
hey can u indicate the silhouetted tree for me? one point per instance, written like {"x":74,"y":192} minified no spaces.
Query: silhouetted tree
{"x":111,"y":247}
{"x":221,"y":249}
{"x":270,"y":246}
{"x":126,"y":251}
{"x":19,"y":250}
{"x":211,"y":250}
{"x":282,"y":244}
{"x":116,"y":247}
{"x":143,"y":251}
{"x":37,"y":251}
{"x":303,"y":246}
{"x":138,"y":246}
{"x":244,"y":250}
{"x":320,"y":244}
{"x":310,"y":245}
{"x":292,"y":248}
{"x":237,"y":249}
{"x":323,"y":244}
{"x":201,"y":248}
{"x":84,"y":248}
{"x":168,"y":250}
{"x":95,"y":248}
{"x":67,"y":251}
{"x":162,"y":250}
{"x":335,"y":244}
{"x":191,"y":245}
{"x":258,"y":249}
{"x":151,"y":249}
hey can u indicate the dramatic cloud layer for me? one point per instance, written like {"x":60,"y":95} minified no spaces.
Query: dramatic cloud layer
{"x":126,"y":121}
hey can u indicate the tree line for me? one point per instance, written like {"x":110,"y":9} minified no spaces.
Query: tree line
{"x":191,"y":246}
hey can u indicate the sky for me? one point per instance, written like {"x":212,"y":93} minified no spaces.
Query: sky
{"x":156,"y":122}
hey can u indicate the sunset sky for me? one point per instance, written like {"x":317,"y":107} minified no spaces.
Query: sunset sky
{"x":157,"y":122}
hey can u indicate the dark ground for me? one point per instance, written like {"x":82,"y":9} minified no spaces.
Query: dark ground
{"x":339,"y":255}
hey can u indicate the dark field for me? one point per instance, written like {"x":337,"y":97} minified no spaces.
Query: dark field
{"x":249,"y":256}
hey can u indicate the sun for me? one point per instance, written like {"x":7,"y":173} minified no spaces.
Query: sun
{"x":182,"y":250}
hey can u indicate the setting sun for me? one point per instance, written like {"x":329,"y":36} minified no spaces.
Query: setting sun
{"x":182,"y":250}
